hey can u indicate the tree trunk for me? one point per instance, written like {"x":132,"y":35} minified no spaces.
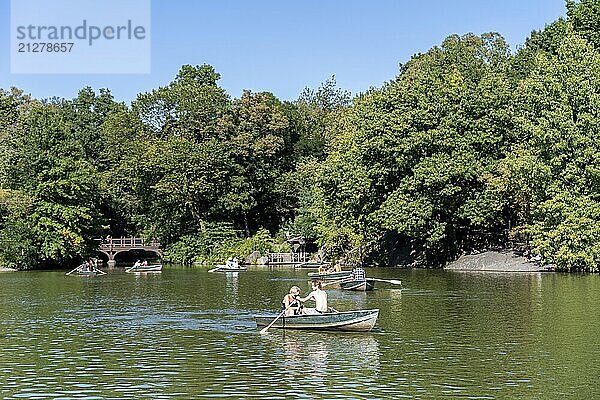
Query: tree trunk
{"x":246,"y":225}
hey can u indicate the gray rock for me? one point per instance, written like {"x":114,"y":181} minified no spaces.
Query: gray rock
{"x":498,"y":261}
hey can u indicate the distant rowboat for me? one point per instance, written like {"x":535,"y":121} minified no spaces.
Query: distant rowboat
{"x":145,"y":268}
{"x":359,"y":286}
{"x":90,"y":273}
{"x":330,"y":276}
{"x":225,"y":268}
{"x":86,"y":270}
{"x":313,"y":264}
{"x":357,"y":321}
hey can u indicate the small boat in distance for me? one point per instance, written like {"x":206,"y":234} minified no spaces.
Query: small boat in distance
{"x":225,"y":268}
{"x":356,"y":321}
{"x":88,"y":268}
{"x":359,"y":286}
{"x":145,"y":268}
{"x":330,"y":276}
{"x":313,"y":264}
{"x":90,"y":273}
{"x":231,"y":265}
{"x":86,"y":272}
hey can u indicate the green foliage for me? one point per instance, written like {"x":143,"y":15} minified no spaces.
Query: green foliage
{"x":566,"y":232}
{"x":17,"y":243}
{"x":204,"y":246}
{"x":412,"y":157}
{"x":468,"y":147}
{"x":216,"y":243}
{"x":585,"y":17}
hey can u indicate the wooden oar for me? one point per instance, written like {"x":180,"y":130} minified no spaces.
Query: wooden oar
{"x":99,"y":271}
{"x":333,"y":282}
{"x":266,"y":328}
{"x":70,"y":272}
{"x":392,"y":281}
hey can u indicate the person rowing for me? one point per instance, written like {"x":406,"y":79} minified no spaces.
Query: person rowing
{"x":320,"y":298}
{"x":291,"y":302}
{"x":358,"y":274}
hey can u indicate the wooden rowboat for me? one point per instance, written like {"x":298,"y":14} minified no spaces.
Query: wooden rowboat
{"x":90,"y":273}
{"x":85,"y":270}
{"x":145,"y":268}
{"x":357,"y":321}
{"x":360,"y":286}
{"x":225,"y":268}
{"x":330,"y":276}
{"x":312,"y":264}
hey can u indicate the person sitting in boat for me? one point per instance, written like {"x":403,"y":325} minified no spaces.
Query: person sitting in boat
{"x":338,"y":267}
{"x":234,"y":263}
{"x":322,"y":269}
{"x":145,"y":263}
{"x":291,"y":303}
{"x":137,"y":264}
{"x":320,"y":298}
{"x":229,"y":262}
{"x":358,"y":274}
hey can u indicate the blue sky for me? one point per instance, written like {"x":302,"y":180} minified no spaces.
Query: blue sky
{"x":284,"y":46}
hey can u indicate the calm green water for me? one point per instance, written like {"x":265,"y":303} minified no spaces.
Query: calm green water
{"x":185,"y":333}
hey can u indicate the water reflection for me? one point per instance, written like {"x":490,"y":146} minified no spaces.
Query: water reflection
{"x":326,"y":354}
{"x":231,"y":287}
{"x":189,"y":334}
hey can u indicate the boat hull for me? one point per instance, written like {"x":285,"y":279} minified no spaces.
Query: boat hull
{"x":226,"y":269}
{"x":312,"y":264}
{"x":354,"y":321}
{"x":358,"y":286}
{"x":149,"y":268}
{"x":331,"y":276}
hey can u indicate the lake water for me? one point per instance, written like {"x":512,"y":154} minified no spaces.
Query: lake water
{"x":185,"y":333}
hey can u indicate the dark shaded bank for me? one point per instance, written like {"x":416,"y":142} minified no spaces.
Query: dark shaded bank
{"x":498,"y":261}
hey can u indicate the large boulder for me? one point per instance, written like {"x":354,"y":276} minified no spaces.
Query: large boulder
{"x":499,"y":261}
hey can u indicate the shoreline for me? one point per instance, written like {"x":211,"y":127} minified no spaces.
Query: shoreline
{"x":496,"y":261}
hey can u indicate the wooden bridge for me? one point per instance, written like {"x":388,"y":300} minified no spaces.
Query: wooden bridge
{"x":113,"y":246}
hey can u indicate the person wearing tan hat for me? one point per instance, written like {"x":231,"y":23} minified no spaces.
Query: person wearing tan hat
{"x":290,"y":302}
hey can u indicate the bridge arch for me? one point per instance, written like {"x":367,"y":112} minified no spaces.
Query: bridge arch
{"x":113,"y":246}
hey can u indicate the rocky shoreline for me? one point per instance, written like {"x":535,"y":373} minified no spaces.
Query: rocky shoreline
{"x":496,"y":261}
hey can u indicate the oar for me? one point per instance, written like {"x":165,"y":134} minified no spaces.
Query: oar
{"x":392,"y":281}
{"x":70,"y":272}
{"x":333,"y":282}
{"x":100,"y":271}
{"x":266,"y":328}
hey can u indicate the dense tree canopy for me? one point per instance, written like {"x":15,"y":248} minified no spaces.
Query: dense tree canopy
{"x":471,"y":146}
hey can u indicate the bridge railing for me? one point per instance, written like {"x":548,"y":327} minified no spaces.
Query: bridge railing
{"x":288,"y":258}
{"x":128,"y":242}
